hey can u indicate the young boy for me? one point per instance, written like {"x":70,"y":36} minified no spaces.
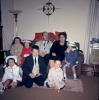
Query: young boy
{"x":55,"y":77}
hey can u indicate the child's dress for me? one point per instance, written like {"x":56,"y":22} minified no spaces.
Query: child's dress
{"x":25,"y":52}
{"x":12,"y":73}
{"x":71,"y":57}
{"x":55,"y":77}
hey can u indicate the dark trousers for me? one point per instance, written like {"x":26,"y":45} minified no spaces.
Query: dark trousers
{"x":38,"y":80}
{"x":46,"y":58}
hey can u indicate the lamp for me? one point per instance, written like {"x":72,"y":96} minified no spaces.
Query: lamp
{"x":15,"y":13}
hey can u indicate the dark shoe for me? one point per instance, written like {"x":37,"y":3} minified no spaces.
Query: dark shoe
{"x":77,"y":77}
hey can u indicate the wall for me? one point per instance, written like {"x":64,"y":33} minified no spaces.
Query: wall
{"x":7,"y":22}
{"x":72,"y":18}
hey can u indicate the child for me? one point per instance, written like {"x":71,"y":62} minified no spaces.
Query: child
{"x":26,"y":51}
{"x":55,"y":77}
{"x":71,"y":55}
{"x":11,"y":76}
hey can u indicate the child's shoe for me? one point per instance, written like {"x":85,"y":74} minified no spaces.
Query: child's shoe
{"x":65,"y":78}
{"x":1,"y":88}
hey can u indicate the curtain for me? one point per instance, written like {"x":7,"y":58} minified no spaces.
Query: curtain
{"x":92,"y":30}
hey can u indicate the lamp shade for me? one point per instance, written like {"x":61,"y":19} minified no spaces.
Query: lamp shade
{"x":15,"y":11}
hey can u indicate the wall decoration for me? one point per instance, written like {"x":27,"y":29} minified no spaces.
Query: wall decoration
{"x":48,"y":9}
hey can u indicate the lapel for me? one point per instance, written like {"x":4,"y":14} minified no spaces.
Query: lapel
{"x":39,"y":61}
{"x":31,"y":62}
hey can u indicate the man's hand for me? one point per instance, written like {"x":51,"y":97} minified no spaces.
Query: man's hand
{"x":32,"y":75}
{"x":53,"y":54}
{"x":42,"y":54}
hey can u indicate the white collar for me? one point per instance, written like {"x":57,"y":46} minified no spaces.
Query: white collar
{"x":34,"y":57}
{"x":57,"y":69}
{"x":45,"y":41}
{"x":13,"y":66}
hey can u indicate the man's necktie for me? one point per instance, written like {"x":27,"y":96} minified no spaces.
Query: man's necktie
{"x":35,"y":60}
{"x":44,"y":45}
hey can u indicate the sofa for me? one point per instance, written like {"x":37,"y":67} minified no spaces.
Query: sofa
{"x":53,"y":37}
{"x":79,"y":65}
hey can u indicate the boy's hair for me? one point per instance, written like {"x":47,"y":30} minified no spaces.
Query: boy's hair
{"x":8,"y":62}
{"x":35,"y":47}
{"x":58,"y":60}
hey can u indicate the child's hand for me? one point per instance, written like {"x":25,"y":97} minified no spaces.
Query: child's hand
{"x":55,"y":87}
{"x":52,"y":85}
{"x":68,"y":63}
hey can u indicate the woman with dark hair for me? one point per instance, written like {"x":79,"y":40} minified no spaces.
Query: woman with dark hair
{"x":16,"y":48}
{"x":58,"y":48}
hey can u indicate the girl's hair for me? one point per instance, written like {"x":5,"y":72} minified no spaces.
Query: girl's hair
{"x":7,"y":64}
{"x":29,"y":44}
{"x":15,"y":39}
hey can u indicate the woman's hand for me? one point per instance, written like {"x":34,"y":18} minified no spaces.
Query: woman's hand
{"x":53,"y":54}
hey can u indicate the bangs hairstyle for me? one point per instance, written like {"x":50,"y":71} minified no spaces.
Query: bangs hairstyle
{"x":29,"y":44}
{"x":7,"y":64}
{"x":15,"y":39}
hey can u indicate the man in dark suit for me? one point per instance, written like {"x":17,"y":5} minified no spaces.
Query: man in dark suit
{"x":34,"y":69}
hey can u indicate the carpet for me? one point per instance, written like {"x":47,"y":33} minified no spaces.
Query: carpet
{"x":71,"y":85}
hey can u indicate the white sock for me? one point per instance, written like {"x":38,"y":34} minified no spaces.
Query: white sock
{"x":65,"y":75}
{"x":75,"y":76}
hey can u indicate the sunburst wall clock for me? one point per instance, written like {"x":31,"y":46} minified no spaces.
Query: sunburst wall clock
{"x":48,"y":9}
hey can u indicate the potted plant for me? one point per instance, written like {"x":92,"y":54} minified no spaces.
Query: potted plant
{"x":95,"y":42}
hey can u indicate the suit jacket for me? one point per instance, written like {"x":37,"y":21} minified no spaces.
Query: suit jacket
{"x":28,"y":66}
{"x":41,"y":46}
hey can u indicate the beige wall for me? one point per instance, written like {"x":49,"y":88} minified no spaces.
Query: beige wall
{"x":7,"y":22}
{"x":72,"y":18}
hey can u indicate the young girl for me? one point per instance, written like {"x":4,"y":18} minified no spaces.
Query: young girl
{"x":26,"y":51}
{"x":16,"y":48}
{"x":55,"y":77}
{"x":70,"y":61}
{"x":11,"y":76}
